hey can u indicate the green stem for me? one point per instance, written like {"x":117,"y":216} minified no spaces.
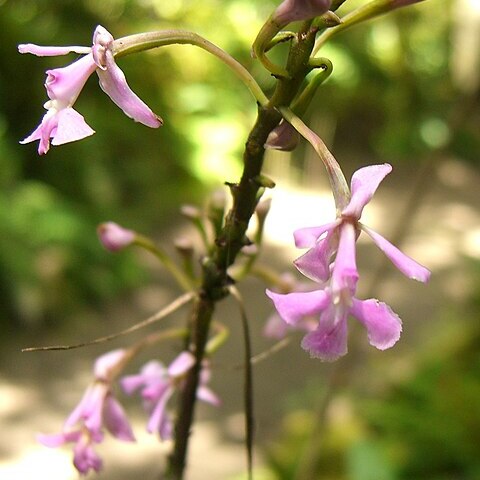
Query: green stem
{"x":183,"y":280}
{"x":217,"y":340}
{"x":147,"y":41}
{"x":361,"y":14}
{"x":263,"y":43}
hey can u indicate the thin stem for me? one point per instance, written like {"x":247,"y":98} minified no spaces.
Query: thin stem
{"x":181,"y":278}
{"x":131,"y":352}
{"x":215,"y":279}
{"x":147,"y":41}
{"x":164,"y":312}
{"x":361,"y":14}
{"x":341,"y":192}
{"x":263,"y":43}
{"x":217,"y":340}
{"x":248,"y":380}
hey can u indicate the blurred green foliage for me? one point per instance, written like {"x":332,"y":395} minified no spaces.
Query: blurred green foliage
{"x":423,"y":427}
{"x":392,"y":93}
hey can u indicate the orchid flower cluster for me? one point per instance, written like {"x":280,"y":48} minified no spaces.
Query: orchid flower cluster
{"x":99,"y":409}
{"x":320,"y":309}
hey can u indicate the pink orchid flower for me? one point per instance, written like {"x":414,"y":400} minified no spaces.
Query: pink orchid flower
{"x":158,"y":383}
{"x":97,"y":409}
{"x":335,"y":301}
{"x":333,"y":304}
{"x":62,"y":123}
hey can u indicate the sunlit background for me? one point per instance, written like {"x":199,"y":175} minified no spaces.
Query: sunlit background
{"x":405,"y":90}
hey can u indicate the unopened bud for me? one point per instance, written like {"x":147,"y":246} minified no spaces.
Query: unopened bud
{"x":283,"y":137}
{"x":184,"y":246}
{"x":293,"y":10}
{"x":191,"y":212}
{"x":263,"y":208}
{"x":250,"y":250}
{"x":114,"y":237}
{"x":216,"y":210}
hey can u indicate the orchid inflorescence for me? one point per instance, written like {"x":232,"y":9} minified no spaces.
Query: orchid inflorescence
{"x":320,"y":308}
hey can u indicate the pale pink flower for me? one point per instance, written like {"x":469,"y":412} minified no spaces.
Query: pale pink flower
{"x":335,"y":301}
{"x":333,"y":304}
{"x":97,"y":409}
{"x":158,"y":383}
{"x":62,"y":123}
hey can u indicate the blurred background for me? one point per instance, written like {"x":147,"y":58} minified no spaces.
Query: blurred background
{"x":405,"y":90}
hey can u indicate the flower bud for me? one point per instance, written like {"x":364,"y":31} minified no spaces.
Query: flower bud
{"x":263,"y":208}
{"x":293,"y":10}
{"x":191,"y":212}
{"x":114,"y":237}
{"x":250,"y":250}
{"x":283,"y":137}
{"x":184,"y":246}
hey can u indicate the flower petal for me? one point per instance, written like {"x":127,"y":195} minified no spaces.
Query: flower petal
{"x":364,"y":184}
{"x":344,"y":273}
{"x":43,"y":132}
{"x":383,"y":325}
{"x":57,"y":439}
{"x":308,"y":236}
{"x":208,"y":396}
{"x":155,"y":389}
{"x":64,"y":126}
{"x":152,"y":373}
{"x":329,"y":341}
{"x":407,"y":265}
{"x":106,"y":362}
{"x":275,"y":327}
{"x":181,"y":364}
{"x":283,"y":137}
{"x":315,"y":263}
{"x":116,"y":420}
{"x":159,"y":416}
{"x":64,"y":84}
{"x":114,"y":84}
{"x":130,"y":383}
{"x":71,"y":126}
{"x":85,"y":457}
{"x":292,"y":307}
{"x":41,"y":51}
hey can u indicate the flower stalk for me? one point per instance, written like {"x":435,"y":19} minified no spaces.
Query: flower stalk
{"x":215,"y":279}
{"x":149,"y":40}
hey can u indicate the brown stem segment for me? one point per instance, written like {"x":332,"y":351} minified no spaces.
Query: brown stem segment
{"x":215,"y":280}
